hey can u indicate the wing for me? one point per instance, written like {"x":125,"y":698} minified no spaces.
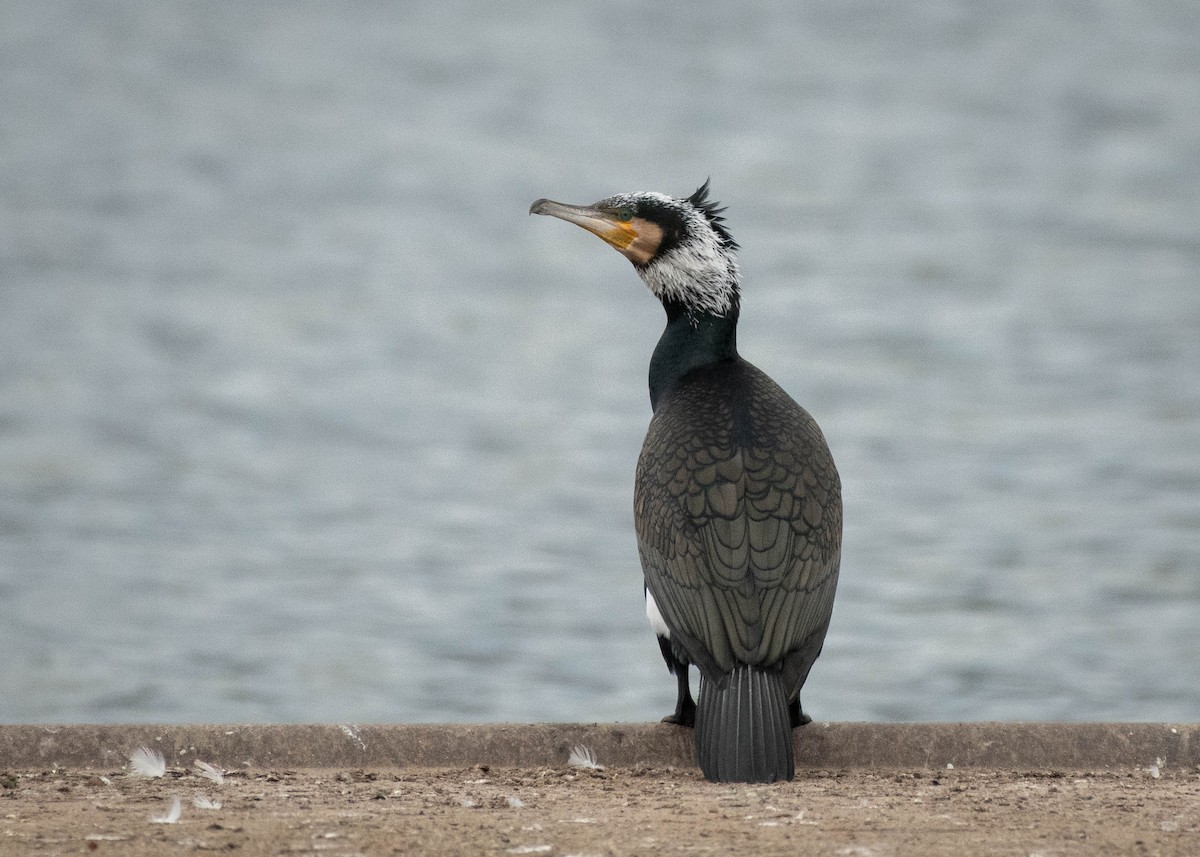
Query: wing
{"x":738,"y":510}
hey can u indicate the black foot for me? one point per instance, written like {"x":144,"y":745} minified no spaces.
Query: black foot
{"x":798,"y":717}
{"x":685,"y":714}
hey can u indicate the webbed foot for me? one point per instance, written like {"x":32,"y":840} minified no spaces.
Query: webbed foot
{"x":684,"y":714}
{"x":796,"y":715}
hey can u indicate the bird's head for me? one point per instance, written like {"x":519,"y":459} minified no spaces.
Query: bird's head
{"x":679,"y":247}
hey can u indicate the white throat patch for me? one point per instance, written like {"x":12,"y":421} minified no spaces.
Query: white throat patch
{"x":700,"y":274}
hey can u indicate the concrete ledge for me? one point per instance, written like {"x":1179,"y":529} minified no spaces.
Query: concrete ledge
{"x":1002,"y":746}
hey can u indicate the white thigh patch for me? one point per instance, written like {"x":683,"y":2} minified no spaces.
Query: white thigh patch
{"x":656,"y":619}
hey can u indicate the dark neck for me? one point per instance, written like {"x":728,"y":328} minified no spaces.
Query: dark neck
{"x":689,"y":342}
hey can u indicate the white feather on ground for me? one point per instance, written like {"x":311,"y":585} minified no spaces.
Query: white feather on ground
{"x":584,"y":757}
{"x":205,"y":802}
{"x":145,"y":762}
{"x":211,"y":772}
{"x":173,"y":813}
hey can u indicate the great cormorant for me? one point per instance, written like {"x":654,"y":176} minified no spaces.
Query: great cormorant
{"x":737,"y":501}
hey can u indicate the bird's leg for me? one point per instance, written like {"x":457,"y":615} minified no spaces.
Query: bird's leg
{"x":796,"y":715}
{"x":685,"y":706}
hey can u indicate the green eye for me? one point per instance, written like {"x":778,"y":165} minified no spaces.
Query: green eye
{"x":625,"y":213}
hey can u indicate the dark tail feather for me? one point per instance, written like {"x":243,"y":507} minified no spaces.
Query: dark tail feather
{"x":743,"y":734}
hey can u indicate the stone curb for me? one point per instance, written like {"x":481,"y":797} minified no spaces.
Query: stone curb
{"x":1000,"y":746}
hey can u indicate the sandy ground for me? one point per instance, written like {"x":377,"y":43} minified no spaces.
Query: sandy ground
{"x":624,"y":811}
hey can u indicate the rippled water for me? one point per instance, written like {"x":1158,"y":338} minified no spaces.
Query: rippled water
{"x":302,"y":418}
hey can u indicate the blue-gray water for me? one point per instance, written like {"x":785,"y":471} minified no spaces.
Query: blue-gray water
{"x":303,"y":418}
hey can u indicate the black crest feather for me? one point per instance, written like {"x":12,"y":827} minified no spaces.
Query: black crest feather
{"x":712,"y":210}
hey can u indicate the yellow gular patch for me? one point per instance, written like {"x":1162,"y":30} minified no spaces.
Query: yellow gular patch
{"x":619,"y":235}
